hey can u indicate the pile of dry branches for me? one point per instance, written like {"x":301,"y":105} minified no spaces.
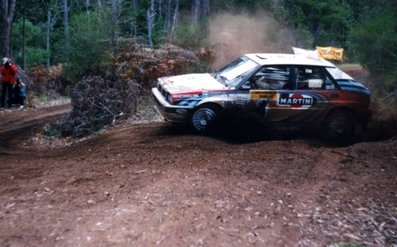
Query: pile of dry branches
{"x":48,"y":81}
{"x":99,"y":101}
{"x":145,"y":65}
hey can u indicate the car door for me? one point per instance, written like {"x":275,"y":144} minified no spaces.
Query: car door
{"x":305,"y":101}
{"x":270,"y":84}
{"x":264,"y":87}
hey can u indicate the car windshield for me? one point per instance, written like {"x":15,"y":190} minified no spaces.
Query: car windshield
{"x":233,"y":73}
{"x":338,"y":74}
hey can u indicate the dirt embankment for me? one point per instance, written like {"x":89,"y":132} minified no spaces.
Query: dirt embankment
{"x":153,"y":184}
{"x":22,"y":123}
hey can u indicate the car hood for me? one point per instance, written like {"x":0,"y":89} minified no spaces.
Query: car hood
{"x":190,"y":82}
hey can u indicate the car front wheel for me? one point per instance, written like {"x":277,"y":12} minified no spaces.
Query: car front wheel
{"x":205,"y":118}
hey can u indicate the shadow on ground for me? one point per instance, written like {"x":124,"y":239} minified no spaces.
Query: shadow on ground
{"x":255,"y":132}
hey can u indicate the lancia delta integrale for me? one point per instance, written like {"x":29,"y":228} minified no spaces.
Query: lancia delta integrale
{"x":280,"y":89}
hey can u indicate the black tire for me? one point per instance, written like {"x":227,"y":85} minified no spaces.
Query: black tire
{"x":340,"y":126}
{"x":205,"y":118}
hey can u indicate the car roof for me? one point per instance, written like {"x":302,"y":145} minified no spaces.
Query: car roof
{"x":287,"y":59}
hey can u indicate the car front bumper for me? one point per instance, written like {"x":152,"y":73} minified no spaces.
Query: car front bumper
{"x":171,"y":113}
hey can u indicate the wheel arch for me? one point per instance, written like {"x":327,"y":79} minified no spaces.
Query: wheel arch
{"x":344,"y":109}
{"x":211,"y":103}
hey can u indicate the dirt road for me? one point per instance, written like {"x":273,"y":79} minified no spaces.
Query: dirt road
{"x":156,"y":185}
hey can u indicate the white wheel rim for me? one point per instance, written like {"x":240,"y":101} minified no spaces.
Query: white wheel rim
{"x":202,"y":117}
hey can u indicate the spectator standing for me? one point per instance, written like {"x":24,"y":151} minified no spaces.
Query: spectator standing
{"x":19,"y":93}
{"x":8,"y":78}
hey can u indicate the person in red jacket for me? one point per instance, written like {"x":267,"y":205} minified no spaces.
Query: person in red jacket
{"x":8,"y":77}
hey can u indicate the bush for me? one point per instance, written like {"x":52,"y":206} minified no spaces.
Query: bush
{"x":381,"y":56}
{"x":47,"y":81}
{"x":90,"y":45}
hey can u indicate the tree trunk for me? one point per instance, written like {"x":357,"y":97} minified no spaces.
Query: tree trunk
{"x":87,"y":5}
{"x":168,"y":16}
{"x":206,"y":9}
{"x":149,"y":27}
{"x":196,"y":11}
{"x":7,"y":15}
{"x":133,"y":21}
{"x":24,"y":36}
{"x":47,"y":36}
{"x":100,"y":5}
{"x":205,"y":12}
{"x":66,"y":28}
{"x":51,"y":18}
{"x":315,"y":31}
{"x":175,"y":18}
{"x":160,"y":10}
{"x":116,"y":10}
{"x":150,"y":23}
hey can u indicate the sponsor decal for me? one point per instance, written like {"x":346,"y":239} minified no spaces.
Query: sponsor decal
{"x":296,"y":100}
{"x":186,"y":95}
{"x":239,"y":99}
{"x":260,"y":94}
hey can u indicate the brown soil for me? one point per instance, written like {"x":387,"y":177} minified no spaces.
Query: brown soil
{"x":155,"y":184}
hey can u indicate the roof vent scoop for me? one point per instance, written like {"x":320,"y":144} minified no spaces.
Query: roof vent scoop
{"x":306,"y":53}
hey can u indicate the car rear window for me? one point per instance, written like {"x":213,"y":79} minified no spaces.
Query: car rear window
{"x":338,"y":74}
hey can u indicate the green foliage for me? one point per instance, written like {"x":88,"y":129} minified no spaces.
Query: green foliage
{"x":91,"y":38}
{"x":36,"y":56}
{"x":248,"y":5}
{"x":374,"y":45}
{"x":34,"y":9}
{"x":95,"y":29}
{"x":129,"y":19}
{"x":35,"y":52}
{"x":188,"y":35}
{"x":327,"y":21}
{"x":303,"y":38}
{"x":158,"y":33}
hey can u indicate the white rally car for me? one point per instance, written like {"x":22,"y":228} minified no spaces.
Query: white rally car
{"x":282,"y":89}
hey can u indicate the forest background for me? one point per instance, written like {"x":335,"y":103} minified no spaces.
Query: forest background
{"x":86,"y":36}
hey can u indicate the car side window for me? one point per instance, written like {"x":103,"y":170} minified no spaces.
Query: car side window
{"x":311,"y":78}
{"x":271,"y":78}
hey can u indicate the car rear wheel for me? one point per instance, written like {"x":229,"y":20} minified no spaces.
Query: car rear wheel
{"x":340,"y":125}
{"x":205,"y":119}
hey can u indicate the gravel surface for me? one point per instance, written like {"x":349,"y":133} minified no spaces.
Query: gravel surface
{"x":152,"y":184}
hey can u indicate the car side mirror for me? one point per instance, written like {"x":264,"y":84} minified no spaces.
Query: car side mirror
{"x":246,"y":86}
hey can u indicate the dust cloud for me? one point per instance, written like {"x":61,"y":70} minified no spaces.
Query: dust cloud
{"x":232,"y":35}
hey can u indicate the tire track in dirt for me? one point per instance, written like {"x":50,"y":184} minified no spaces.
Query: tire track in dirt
{"x":154,"y":184}
{"x":17,"y":124}
{"x":308,"y":205}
